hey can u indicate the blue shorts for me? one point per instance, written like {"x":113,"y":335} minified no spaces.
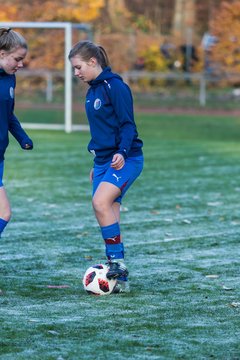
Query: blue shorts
{"x":122,"y":178}
{"x":1,"y":172}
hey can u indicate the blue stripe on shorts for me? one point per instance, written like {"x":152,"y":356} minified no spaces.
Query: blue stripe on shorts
{"x":1,"y":173}
{"x":122,"y":178}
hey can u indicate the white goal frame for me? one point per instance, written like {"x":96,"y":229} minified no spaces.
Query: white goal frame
{"x":68,"y":27}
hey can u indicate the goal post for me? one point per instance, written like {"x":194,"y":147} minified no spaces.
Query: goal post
{"x":67,"y":27}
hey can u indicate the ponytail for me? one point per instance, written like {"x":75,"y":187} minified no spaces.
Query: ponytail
{"x":104,"y":58}
{"x":86,"y":49}
{"x":11,"y":40}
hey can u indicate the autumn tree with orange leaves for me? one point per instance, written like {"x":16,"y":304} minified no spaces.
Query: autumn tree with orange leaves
{"x":127,"y":28}
{"x":226,"y":28}
{"x":48,"y":10}
{"x":47,"y":46}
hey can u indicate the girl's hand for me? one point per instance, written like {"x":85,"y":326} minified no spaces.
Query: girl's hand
{"x":91,"y":176}
{"x":118,"y":161}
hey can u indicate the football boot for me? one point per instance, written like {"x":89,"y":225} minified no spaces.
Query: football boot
{"x":117,"y":270}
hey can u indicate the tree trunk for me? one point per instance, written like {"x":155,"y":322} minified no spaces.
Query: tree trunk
{"x":184,"y":19}
{"x":114,"y":9}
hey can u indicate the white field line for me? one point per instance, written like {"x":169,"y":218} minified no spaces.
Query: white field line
{"x":158,"y":241}
{"x":179,"y":238}
{"x":167,"y":220}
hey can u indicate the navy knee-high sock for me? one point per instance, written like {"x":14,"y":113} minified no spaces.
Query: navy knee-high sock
{"x":113,"y":244}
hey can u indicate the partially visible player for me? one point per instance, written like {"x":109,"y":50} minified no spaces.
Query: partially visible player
{"x":117,"y":149}
{"x":13,"y":49}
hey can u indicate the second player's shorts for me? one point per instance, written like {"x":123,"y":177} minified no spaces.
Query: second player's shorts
{"x":122,"y":178}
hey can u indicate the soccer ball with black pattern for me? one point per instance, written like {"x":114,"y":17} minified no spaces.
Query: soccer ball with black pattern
{"x":95,"y":281}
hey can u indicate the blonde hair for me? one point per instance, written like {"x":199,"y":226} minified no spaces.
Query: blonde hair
{"x":87,"y":49}
{"x":10,"y":40}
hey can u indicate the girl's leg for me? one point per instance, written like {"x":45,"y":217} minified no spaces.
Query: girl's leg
{"x":5,"y":210}
{"x":105,"y":208}
{"x":116,"y":209}
{"x":107,"y":212}
{"x":109,"y":186}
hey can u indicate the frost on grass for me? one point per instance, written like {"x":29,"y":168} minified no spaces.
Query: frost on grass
{"x":173,"y":310}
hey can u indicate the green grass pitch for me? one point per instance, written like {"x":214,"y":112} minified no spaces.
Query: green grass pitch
{"x":181,"y":234}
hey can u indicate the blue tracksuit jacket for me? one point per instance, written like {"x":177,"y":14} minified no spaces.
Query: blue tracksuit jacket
{"x":109,"y":108}
{"x":8,"y":121}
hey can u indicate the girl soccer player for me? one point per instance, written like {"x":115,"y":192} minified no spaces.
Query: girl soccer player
{"x":117,"y":150}
{"x":13,"y":49}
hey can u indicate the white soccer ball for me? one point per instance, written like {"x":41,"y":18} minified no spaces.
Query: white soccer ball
{"x":95,"y":281}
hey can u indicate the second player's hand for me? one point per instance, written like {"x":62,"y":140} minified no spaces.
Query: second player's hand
{"x":118,"y":161}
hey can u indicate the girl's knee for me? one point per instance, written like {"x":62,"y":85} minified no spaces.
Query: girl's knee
{"x":5,"y":208}
{"x":97,"y":204}
{"x":100,"y":205}
{"x":6,"y":214}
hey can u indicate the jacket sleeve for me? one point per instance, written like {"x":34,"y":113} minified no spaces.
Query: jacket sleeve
{"x":122,"y":102}
{"x":17,"y":131}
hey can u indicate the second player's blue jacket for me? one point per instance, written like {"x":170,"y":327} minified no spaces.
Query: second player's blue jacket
{"x":8,"y":121}
{"x":109,"y":108}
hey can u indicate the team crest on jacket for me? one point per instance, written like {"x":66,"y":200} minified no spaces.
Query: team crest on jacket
{"x":11,"y":92}
{"x":97,"y":104}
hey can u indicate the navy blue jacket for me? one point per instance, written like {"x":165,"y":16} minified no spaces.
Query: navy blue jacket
{"x":8,"y":121}
{"x":109,"y":108}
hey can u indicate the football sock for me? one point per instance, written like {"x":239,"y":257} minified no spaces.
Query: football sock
{"x":113,"y":244}
{"x":3,"y":224}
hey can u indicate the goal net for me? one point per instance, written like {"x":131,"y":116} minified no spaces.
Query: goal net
{"x":49,"y":82}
